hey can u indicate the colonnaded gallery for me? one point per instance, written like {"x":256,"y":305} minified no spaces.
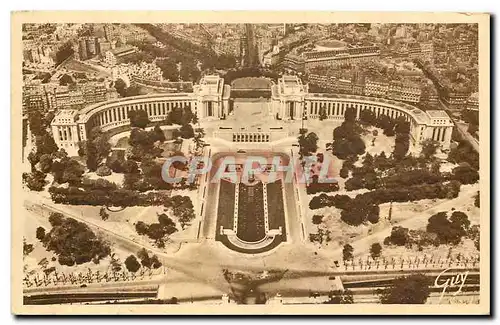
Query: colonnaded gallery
{"x":211,"y":99}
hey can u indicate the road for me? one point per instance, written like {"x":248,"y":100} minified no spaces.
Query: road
{"x":198,"y":268}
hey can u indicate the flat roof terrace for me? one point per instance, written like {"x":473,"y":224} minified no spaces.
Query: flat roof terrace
{"x":254,"y":83}
{"x":438,"y":114}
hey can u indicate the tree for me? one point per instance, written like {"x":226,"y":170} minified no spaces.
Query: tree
{"x":402,"y":145}
{"x":184,"y":215}
{"x":344,"y":172}
{"x":120,"y":87}
{"x":317,"y":219}
{"x":350,"y":114}
{"x":33,"y":158}
{"x":35,"y":122}
{"x":449,"y":231}
{"x":402,"y":126}
{"x":195,"y":120}
{"x":476,"y":199}
{"x":322,"y":114}
{"x":67,"y":170}
{"x":130,"y":167}
{"x":353,"y":216}
{"x":375,"y":250}
{"x":186,"y":131}
{"x":399,"y":236}
{"x":168,"y":68}
{"x":175,"y":115}
{"x":158,"y":134}
{"x":139,"y":118}
{"x":167,"y":224}
{"x":74,"y":242}
{"x":115,"y":263}
{"x":156,"y":232}
{"x":103,"y":171}
{"x":198,"y":139}
{"x":143,"y":255}
{"x":45,"y":163}
{"x":66,"y":80}
{"x":92,"y":160}
{"x":187,"y":115}
{"x":56,"y":219}
{"x":347,"y":252}
{"x":27,"y":248}
{"x":103,"y":214}
{"x":429,"y":148}
{"x":373,"y":214}
{"x":346,"y":141}
{"x":141,"y":228}
{"x":464,"y":153}
{"x":35,"y":180}
{"x":40,"y":233}
{"x":132,"y":264}
{"x":367,"y":117}
{"x":340,"y":297}
{"x":133,"y":90}
{"x":465,"y":174}
{"x":460,"y":220}
{"x":97,"y":148}
{"x":413,"y":289}
{"x":308,"y":144}
{"x":155,"y":262}
{"x":45,"y":144}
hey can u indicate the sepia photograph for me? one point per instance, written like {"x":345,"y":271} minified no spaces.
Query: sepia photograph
{"x":202,"y":162}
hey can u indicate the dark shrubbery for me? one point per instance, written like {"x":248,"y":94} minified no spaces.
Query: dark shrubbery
{"x":316,"y":186}
{"x":147,"y":260}
{"x":399,"y":236}
{"x":465,"y":174}
{"x":464,"y":153}
{"x":157,"y":231}
{"x":138,"y":118}
{"x":412,"y":289}
{"x":347,"y":252}
{"x":73,"y":241}
{"x":317,"y":219}
{"x":132,"y":264}
{"x":355,"y":215}
{"x":375,"y":250}
{"x":40,"y":233}
{"x":383,"y":195}
{"x":364,"y":207}
{"x":449,"y":230}
{"x":346,"y":137}
{"x":107,"y":197}
{"x":35,"y":180}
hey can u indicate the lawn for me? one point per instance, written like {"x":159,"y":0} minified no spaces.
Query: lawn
{"x":275,"y":205}
{"x":225,"y":209}
{"x":251,"y":213}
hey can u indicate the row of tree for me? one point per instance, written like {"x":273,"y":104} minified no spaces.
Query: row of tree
{"x":76,"y":195}
{"x":364,"y":207}
{"x":440,"y":229}
{"x":146,"y":260}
